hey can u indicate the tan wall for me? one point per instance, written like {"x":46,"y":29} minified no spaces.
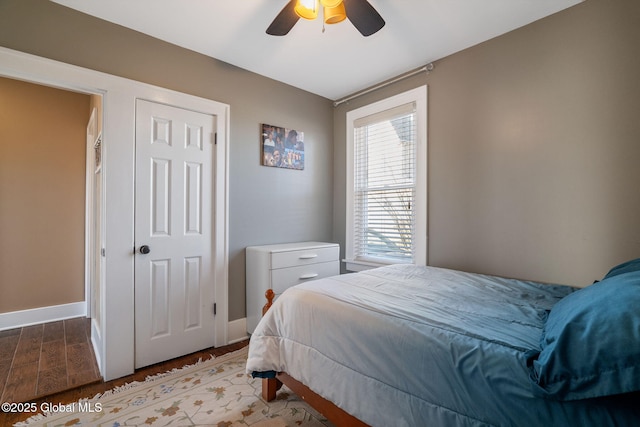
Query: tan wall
{"x":42,"y":180}
{"x":534,"y":148}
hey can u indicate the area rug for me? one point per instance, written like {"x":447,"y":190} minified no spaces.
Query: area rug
{"x":216,"y":392}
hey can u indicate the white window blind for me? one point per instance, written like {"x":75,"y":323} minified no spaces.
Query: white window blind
{"x":384,"y":193}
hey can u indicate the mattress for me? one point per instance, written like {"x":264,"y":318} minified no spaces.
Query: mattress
{"x":408,"y":346}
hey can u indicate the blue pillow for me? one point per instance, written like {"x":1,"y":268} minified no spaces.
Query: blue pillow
{"x":590,"y":344}
{"x":625,"y":267}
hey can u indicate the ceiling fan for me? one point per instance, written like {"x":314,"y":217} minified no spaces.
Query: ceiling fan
{"x":360,"y":12}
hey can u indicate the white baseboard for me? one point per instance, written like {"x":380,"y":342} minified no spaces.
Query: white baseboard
{"x":237,"y":330}
{"x":34,"y":316}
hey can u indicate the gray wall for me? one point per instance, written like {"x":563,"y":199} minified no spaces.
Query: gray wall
{"x":534,"y":148}
{"x":267,"y":205}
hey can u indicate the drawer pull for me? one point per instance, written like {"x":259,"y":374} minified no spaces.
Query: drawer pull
{"x":308,"y":256}
{"x":309,"y":276}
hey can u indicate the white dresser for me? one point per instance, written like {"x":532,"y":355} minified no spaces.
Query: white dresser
{"x":279,"y":267}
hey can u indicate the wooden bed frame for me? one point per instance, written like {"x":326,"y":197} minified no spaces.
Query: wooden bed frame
{"x":271,"y":386}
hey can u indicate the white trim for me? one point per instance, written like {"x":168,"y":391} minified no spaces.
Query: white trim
{"x":96,"y":342}
{"x":357,"y":265}
{"x":419,"y":96}
{"x":33,"y":316}
{"x":238,"y":330}
{"x":221,"y":225}
{"x":92,"y":127}
{"x":116,"y":344}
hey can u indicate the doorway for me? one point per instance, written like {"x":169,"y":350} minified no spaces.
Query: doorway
{"x":42,"y":243}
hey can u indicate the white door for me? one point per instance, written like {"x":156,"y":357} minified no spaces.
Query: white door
{"x":174,"y":280}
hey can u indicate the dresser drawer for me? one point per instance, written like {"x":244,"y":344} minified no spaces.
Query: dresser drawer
{"x":304,"y":257}
{"x":284,"y":278}
{"x":283,"y":265}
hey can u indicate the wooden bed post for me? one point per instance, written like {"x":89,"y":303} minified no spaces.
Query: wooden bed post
{"x":270,"y":386}
{"x":269,"y":295}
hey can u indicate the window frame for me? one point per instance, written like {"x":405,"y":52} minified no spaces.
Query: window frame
{"x":419,"y":97}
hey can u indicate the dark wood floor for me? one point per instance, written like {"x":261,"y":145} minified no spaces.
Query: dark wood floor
{"x":44,"y":359}
{"x":89,"y":390}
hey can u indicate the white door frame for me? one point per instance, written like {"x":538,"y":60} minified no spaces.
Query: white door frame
{"x":90,"y":212}
{"x":115,"y":350}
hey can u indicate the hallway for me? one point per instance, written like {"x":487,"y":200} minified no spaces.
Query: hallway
{"x":43,"y":359}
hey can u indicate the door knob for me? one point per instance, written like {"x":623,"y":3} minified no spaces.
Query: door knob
{"x":144,"y":249}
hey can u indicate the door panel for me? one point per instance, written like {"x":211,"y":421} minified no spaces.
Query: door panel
{"x":174,"y":285}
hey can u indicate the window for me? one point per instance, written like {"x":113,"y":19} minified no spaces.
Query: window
{"x":387,"y":182}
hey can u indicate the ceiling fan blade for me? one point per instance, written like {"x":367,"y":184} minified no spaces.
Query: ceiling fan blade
{"x":284,"y":22}
{"x":363,"y":16}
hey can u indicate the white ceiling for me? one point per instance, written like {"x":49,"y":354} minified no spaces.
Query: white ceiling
{"x":332,"y":64}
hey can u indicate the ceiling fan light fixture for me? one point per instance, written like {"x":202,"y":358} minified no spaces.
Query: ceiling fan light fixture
{"x":330,"y":3}
{"x":362,"y":15}
{"x":307,"y":9}
{"x":335,"y":14}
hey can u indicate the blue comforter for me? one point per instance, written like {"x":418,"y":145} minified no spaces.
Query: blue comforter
{"x":412,"y":346}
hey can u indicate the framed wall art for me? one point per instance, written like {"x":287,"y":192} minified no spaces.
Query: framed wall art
{"x":281,"y":147}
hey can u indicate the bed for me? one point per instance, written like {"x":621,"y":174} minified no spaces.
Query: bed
{"x":408,"y":346}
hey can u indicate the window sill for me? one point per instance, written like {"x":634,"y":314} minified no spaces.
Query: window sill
{"x":357,"y":265}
